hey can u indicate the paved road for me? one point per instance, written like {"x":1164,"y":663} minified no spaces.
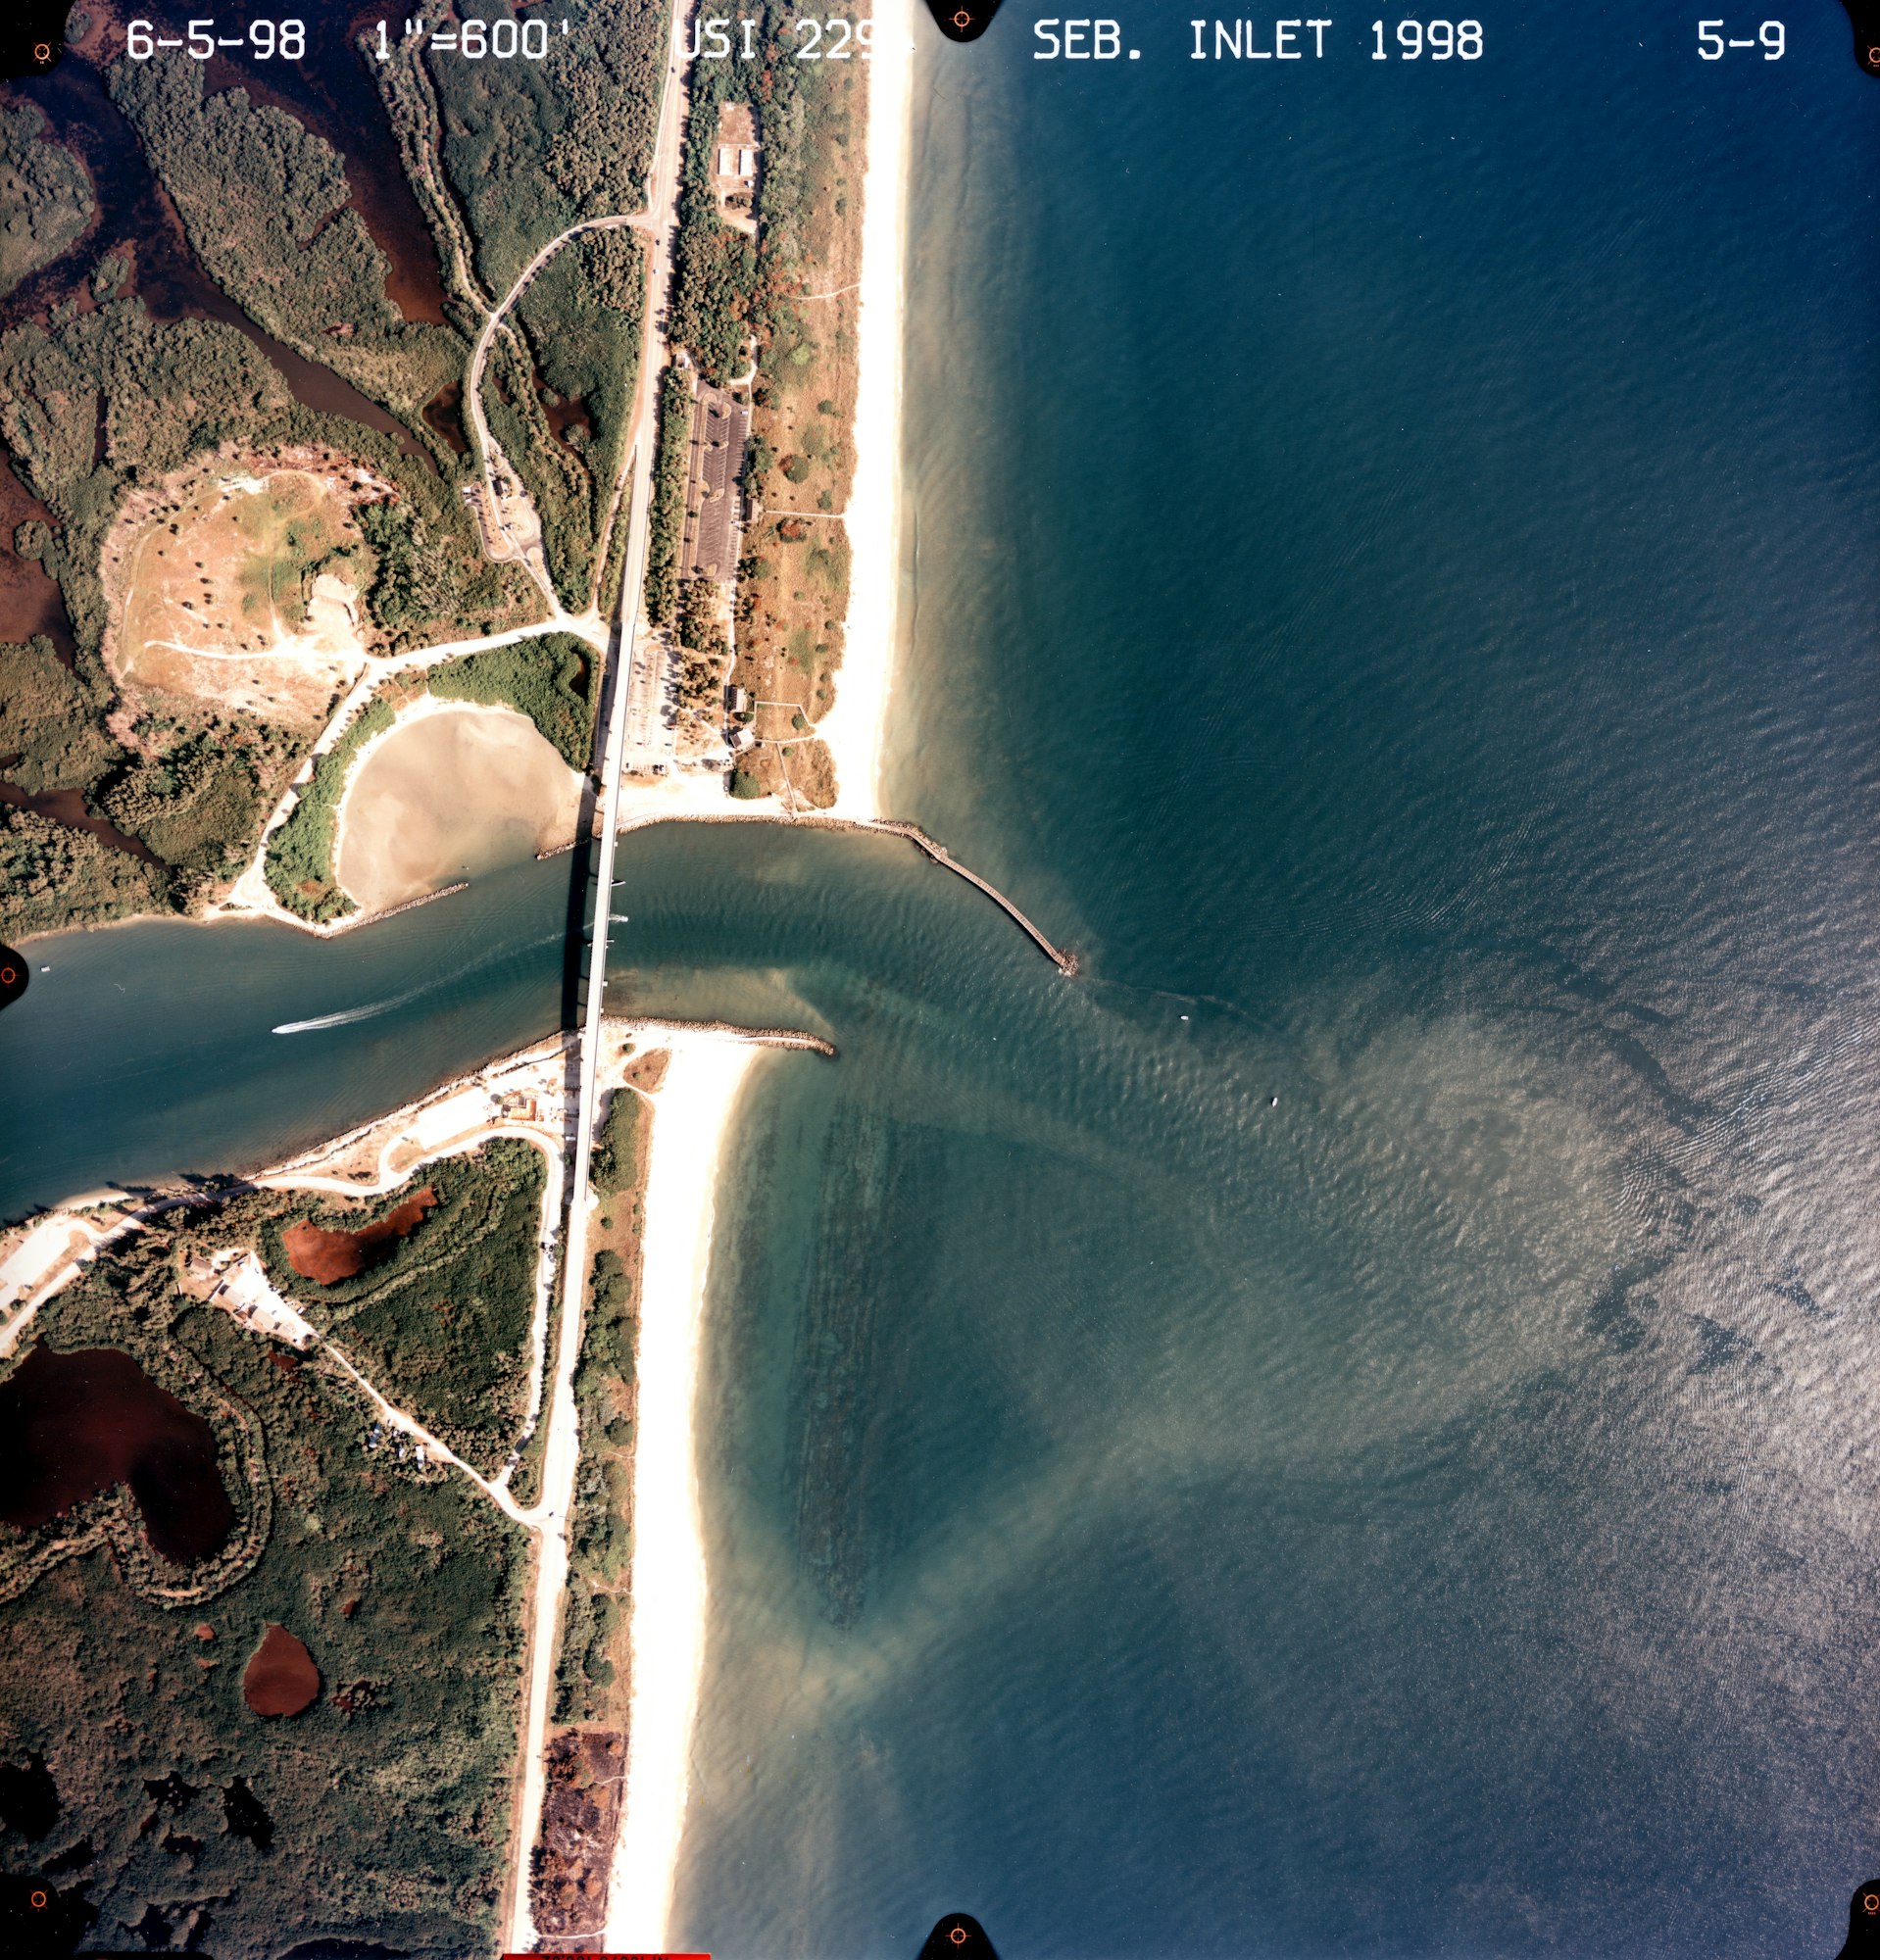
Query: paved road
{"x":562,"y":1450}
{"x":515,"y":515}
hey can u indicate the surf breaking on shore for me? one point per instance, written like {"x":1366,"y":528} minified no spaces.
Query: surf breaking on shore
{"x":693,"y":1110}
{"x":691,"y":1118}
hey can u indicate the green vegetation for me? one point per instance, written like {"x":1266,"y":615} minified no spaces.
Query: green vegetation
{"x":300,"y":853}
{"x":715,"y":267}
{"x":555,"y":476}
{"x":746,"y":784}
{"x":194,"y":801}
{"x":193,"y":790}
{"x":531,"y":147}
{"x":47,"y":731}
{"x":408,"y":1588}
{"x":667,"y":520}
{"x":546,"y":678}
{"x":53,"y":876}
{"x":264,"y":202}
{"x":582,"y":317}
{"x":704,"y":648}
{"x":699,"y":626}
{"x":722,"y":289}
{"x":191,"y":796}
{"x":614,"y":1164}
{"x":442,"y":1326}
{"x":600,"y":1537}
{"x":45,"y":196}
{"x":430,"y":579}
{"x":168,"y":391}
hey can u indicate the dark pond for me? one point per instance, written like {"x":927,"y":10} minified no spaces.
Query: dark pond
{"x":28,"y":1798}
{"x":444,"y":412}
{"x":30,"y":601}
{"x":243,"y":1815}
{"x":72,"y":1424}
{"x":280,"y":1678}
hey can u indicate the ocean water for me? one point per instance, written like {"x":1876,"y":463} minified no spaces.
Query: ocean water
{"x":1349,"y":1427}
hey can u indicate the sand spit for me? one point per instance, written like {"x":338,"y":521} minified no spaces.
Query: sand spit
{"x":694,"y":1106}
{"x":451,"y":788}
{"x":692,"y":1114}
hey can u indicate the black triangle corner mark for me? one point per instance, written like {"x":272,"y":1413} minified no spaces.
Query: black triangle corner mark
{"x":963,"y":19}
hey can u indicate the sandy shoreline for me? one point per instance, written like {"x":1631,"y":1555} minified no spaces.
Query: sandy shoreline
{"x":694,"y":1107}
{"x":691,"y":1119}
{"x":855,"y":727}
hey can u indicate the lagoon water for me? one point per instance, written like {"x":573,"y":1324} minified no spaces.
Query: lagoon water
{"x":1348,"y":1428}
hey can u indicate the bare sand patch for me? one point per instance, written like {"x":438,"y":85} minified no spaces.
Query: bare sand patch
{"x":451,"y":789}
{"x":236,"y":583}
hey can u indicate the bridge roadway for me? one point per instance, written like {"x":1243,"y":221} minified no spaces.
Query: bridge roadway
{"x":561,"y":1456}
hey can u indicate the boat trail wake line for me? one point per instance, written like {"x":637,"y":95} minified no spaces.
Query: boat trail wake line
{"x":348,"y":1016}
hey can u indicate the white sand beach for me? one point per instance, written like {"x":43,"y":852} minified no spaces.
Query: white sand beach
{"x":451,"y":789}
{"x":691,"y":1118}
{"x":694,"y":1104}
{"x":853,"y":728}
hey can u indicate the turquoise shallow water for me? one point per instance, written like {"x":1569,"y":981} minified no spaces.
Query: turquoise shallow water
{"x":1392,"y":578}
{"x":1391,"y":582}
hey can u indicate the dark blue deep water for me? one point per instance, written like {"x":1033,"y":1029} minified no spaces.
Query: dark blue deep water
{"x":1395,"y":575}
{"x":1353,"y":1427}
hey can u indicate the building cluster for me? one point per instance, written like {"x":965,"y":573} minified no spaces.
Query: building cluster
{"x":734,"y":181}
{"x":404,"y":1448}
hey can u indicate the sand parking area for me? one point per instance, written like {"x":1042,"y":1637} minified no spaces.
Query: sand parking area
{"x":449,"y":790}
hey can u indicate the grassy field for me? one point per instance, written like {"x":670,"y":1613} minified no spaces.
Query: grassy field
{"x":220,"y":600}
{"x":184,"y":1818}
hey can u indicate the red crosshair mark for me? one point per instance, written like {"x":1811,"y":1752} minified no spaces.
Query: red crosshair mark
{"x":959,"y":1935}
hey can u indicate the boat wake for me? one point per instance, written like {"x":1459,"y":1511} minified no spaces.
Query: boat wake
{"x":346,"y":1016}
